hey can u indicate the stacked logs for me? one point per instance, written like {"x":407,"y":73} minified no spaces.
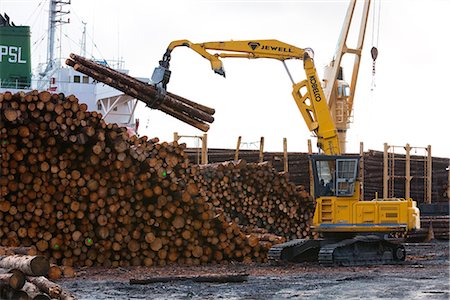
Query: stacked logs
{"x":23,"y":277}
{"x":192,"y":113}
{"x":373,"y":177}
{"x":256,"y":194}
{"x":85,"y":193}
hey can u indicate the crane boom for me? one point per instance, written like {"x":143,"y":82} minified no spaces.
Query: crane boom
{"x":308,"y":94}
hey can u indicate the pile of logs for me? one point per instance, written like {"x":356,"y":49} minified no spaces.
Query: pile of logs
{"x":187,"y":111}
{"x":256,"y":194}
{"x":23,"y":277}
{"x":298,"y":163}
{"x":85,"y":193}
{"x":373,"y":177}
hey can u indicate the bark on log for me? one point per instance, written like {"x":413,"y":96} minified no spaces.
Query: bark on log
{"x":46,"y":286}
{"x":146,"y":93}
{"x":180,"y":115}
{"x":134,"y":83}
{"x":66,"y":295}
{"x":7,"y":292}
{"x":33,"y":292}
{"x":15,"y":279}
{"x":29,"y":265}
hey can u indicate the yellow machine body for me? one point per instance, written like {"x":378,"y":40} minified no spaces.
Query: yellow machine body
{"x":348,"y":214}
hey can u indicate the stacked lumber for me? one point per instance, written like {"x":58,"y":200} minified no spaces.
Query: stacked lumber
{"x":256,"y":194}
{"x":23,"y":277}
{"x":85,"y":193}
{"x":187,"y":111}
{"x":373,"y":177}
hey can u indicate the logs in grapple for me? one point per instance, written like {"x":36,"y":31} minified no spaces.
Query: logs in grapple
{"x":256,"y":194}
{"x":85,"y":193}
{"x":192,"y":113}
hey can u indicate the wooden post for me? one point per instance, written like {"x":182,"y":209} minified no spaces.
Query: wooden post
{"x":361,"y":170}
{"x":176,"y":137}
{"x":261,"y":149}
{"x":285,"y":156}
{"x":408,"y":172}
{"x":311,"y":178}
{"x":204,"y":139}
{"x":236,"y":155}
{"x":429,"y":173}
{"x":385,"y":171}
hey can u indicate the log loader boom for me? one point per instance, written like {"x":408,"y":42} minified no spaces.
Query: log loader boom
{"x":308,"y":94}
{"x":354,"y":232}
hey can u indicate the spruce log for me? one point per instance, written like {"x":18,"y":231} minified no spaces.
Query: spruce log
{"x":134,"y":83}
{"x":46,"y":286}
{"x":186,"y":106}
{"x":29,"y":265}
{"x":220,"y":278}
{"x":66,"y":295}
{"x":180,"y":115}
{"x":7,"y":292}
{"x":33,"y":292}
{"x":18,"y":250}
{"x":141,"y":88}
{"x":14,"y":278}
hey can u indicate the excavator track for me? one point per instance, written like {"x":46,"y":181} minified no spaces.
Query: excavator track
{"x":294,"y":251}
{"x":361,"y":251}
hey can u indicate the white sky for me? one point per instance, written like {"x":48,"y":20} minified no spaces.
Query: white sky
{"x":410,"y":103}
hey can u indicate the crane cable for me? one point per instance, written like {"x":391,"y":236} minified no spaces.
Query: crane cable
{"x":375,"y":38}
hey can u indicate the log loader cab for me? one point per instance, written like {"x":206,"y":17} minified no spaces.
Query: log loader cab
{"x":335,"y":175}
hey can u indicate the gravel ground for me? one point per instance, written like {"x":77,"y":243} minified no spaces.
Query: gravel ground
{"x":424,"y":275}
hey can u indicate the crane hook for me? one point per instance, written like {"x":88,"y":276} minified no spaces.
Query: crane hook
{"x":374,"y":52}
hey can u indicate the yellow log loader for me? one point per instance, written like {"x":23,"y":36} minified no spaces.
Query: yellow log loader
{"x":353,"y":232}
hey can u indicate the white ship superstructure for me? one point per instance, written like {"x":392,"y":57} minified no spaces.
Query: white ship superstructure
{"x":53,"y":76}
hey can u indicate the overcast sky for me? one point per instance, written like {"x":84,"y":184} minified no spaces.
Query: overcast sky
{"x":410,"y":103}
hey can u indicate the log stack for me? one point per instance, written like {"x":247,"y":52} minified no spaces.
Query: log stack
{"x":298,"y":163}
{"x":373,"y":177}
{"x":255,"y":194}
{"x":185,"y":110}
{"x":85,"y":193}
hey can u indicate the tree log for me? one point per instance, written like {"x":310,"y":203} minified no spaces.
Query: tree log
{"x":33,"y":292}
{"x":29,"y":265}
{"x":221,"y":278}
{"x":46,"y":286}
{"x":14,"y":278}
{"x":140,"y":90}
